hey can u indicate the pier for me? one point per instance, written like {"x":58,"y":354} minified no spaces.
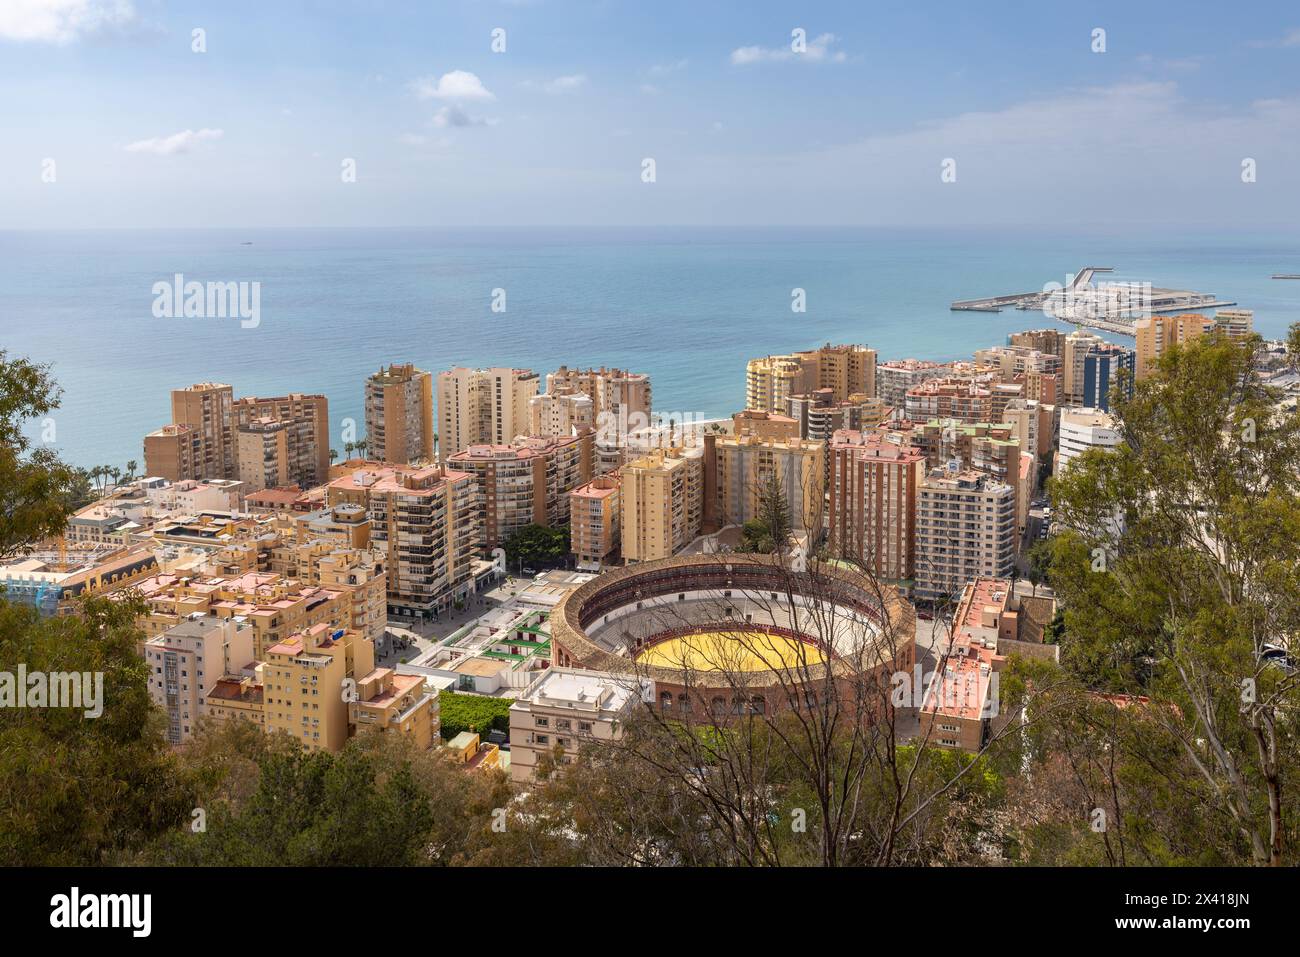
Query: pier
{"x":1112,"y":308}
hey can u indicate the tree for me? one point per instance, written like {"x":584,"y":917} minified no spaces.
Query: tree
{"x":772,"y":528}
{"x":535,"y":545}
{"x":75,"y":788}
{"x":1177,"y":569}
{"x":38,"y":492}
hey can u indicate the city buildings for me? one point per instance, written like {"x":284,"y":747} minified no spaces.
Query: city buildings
{"x":621,"y":401}
{"x":560,"y":413}
{"x":874,"y":489}
{"x":483,"y":407}
{"x":285,"y":439}
{"x":1044,"y":340}
{"x":564,"y":708}
{"x":594,"y":517}
{"x":426,"y":521}
{"x":965,"y":529}
{"x":894,"y":378}
{"x":399,"y":415}
{"x":661,"y":502}
{"x":1156,"y":335}
{"x":525,"y":482}
{"x":819,"y":416}
{"x":187,"y":660}
{"x":844,"y":369}
{"x":738,"y":468}
{"x":966,"y":400}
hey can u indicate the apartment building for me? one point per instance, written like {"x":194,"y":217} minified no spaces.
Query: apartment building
{"x":399,"y":415}
{"x":965,"y":529}
{"x":764,"y":425}
{"x":621,"y":401}
{"x":1235,"y":323}
{"x":594,"y":517}
{"x":392,"y":703}
{"x":661,"y":503}
{"x":560,"y":413}
{"x":565,"y":708}
{"x":1109,"y":372}
{"x":1158,"y":334}
{"x":1034,"y":424}
{"x":526,"y":482}
{"x":818,"y":416}
{"x":187,"y":660}
{"x":425,"y":520}
{"x":238,"y":698}
{"x":738,"y":468}
{"x":961,"y":705}
{"x":966,"y":400}
{"x":1044,"y":340}
{"x":483,"y":407}
{"x":894,"y":378}
{"x":1081,"y":430}
{"x":991,"y":448}
{"x":303,"y":684}
{"x":271,"y":605}
{"x":199,"y":442}
{"x":262,"y":453}
{"x":843,"y":369}
{"x":306,"y":419}
{"x":1076,"y":347}
{"x":875,"y":485}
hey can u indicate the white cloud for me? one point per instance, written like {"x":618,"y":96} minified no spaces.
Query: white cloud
{"x":450,"y":116}
{"x":818,"y":50}
{"x":566,"y":84}
{"x":649,"y":89}
{"x":60,"y":21}
{"x":454,"y":86}
{"x":181,"y":142}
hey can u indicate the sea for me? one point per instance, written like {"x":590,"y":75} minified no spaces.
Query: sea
{"x":687,"y":305}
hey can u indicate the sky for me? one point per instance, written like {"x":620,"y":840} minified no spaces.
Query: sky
{"x":544,"y":112}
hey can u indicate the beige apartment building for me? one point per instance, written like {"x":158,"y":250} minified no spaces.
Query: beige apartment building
{"x":621,"y":401}
{"x":262,"y":451}
{"x":526,"y":482}
{"x":425,"y":520}
{"x":187,"y":660}
{"x":661,"y":501}
{"x":594,"y":516}
{"x":399,"y":415}
{"x":391,"y":703}
{"x":843,"y":369}
{"x":560,"y":414}
{"x":1044,"y":340}
{"x":737,"y":469}
{"x":482,"y":407}
{"x":875,"y":485}
{"x":271,"y":605}
{"x":965,"y":529}
{"x":819,"y":416}
{"x":1156,"y":335}
{"x":565,"y":708}
{"x":202,"y":441}
{"x":303,"y":684}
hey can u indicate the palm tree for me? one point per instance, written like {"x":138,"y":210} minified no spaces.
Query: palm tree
{"x":334,"y":454}
{"x":349,"y":448}
{"x":361,"y":448}
{"x":131,"y":466}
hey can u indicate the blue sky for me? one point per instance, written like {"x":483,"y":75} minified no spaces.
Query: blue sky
{"x":144,"y":132}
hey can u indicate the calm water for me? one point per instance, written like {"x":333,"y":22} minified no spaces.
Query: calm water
{"x":688,"y":306}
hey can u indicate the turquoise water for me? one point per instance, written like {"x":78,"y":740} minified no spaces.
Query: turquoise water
{"x":688,"y":306}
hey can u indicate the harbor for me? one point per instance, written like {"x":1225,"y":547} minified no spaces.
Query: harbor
{"x":1110,"y":306}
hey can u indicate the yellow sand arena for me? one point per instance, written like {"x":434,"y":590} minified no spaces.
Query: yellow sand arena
{"x":730,"y":651}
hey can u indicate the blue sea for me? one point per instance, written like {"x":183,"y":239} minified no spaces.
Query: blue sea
{"x":687,"y":305}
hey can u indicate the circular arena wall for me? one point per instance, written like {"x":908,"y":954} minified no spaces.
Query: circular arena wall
{"x":698,"y":624}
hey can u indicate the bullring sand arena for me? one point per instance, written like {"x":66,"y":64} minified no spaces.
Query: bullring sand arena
{"x":736,"y":650}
